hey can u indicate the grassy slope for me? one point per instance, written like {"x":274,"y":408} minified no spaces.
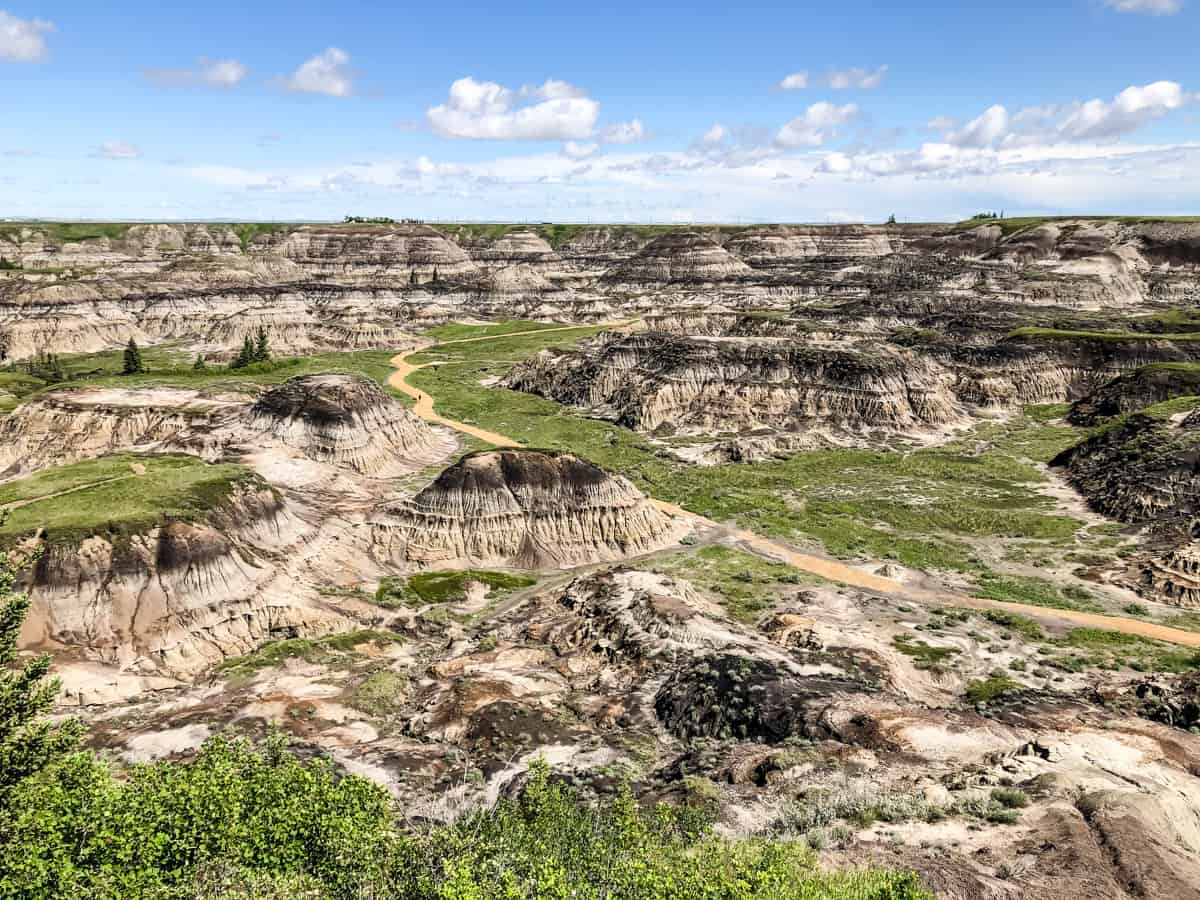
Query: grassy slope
{"x":118,"y":500}
{"x":917,"y":507}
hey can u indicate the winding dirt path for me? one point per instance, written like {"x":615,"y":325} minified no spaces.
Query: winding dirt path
{"x":771,"y":548}
{"x":29,"y":501}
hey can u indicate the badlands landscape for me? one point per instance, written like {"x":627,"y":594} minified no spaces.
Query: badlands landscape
{"x":876,"y":539}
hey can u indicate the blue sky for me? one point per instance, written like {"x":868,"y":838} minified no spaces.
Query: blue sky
{"x":788,"y":112}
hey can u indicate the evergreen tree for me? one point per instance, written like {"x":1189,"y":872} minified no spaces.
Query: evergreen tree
{"x":262,"y":345}
{"x":27,"y":743}
{"x":892,"y":219}
{"x":133,"y":359}
{"x":245,"y":355}
{"x":199,"y":365}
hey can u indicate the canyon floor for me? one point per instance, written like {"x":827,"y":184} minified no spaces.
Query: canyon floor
{"x":879,"y":538}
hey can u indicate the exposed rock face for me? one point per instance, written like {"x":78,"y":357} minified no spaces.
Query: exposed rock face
{"x":67,"y":426}
{"x":680,"y":257}
{"x":179,"y":597}
{"x":344,"y":420}
{"x":515,"y":247}
{"x":651,"y":380}
{"x":728,"y":696}
{"x":1141,"y":388}
{"x":1174,"y":579}
{"x":530,"y":509}
{"x":413,"y":252}
{"x":1142,"y":470}
{"x":779,"y":246}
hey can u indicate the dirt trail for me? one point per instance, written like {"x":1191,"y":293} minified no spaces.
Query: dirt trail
{"x":17,"y":504}
{"x":777,"y":550}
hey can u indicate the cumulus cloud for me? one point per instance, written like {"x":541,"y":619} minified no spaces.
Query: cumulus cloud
{"x":576,"y":150}
{"x":217,"y":73}
{"x":624,"y":132}
{"x":117,"y":150}
{"x":797,"y":81}
{"x":326,"y":73}
{"x":484,"y":110}
{"x":23,"y":40}
{"x":863,"y":79}
{"x":1149,"y":7}
{"x":1094,"y":120}
{"x":714,"y":135}
{"x":819,"y":123}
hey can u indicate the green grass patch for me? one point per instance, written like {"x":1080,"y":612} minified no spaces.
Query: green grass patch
{"x":108,"y":497}
{"x":1062,"y":334}
{"x":381,"y":694}
{"x":1098,"y":648}
{"x":744,"y":584}
{"x":919,"y":508}
{"x":1034,"y":592}
{"x":447,"y":587}
{"x":923,"y":655}
{"x":333,"y":649}
{"x":989,"y":689}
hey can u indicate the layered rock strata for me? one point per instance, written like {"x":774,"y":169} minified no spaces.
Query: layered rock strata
{"x":178,"y":597}
{"x":529,"y":509}
{"x":345,"y":421}
{"x":655,"y":381}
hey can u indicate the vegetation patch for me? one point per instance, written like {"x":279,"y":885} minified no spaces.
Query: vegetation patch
{"x":1084,"y":648}
{"x":381,"y":694}
{"x":744,"y":584}
{"x":923,"y":655}
{"x":117,"y":496}
{"x":447,"y":587}
{"x":1034,"y":592}
{"x":990,"y":689}
{"x":337,"y":649}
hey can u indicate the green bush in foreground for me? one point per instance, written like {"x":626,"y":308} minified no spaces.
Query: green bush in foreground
{"x":249,"y":821}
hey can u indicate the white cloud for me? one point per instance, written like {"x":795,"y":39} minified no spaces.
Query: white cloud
{"x":714,"y":135}
{"x":1095,"y":120}
{"x":222,"y":72}
{"x":484,"y":110}
{"x":574,"y":150}
{"x":326,"y":73}
{"x":117,"y":150}
{"x":218,"y":73}
{"x":624,"y":132}
{"x":22,"y":40}
{"x":835,"y":164}
{"x":1151,"y":7}
{"x":857,"y":78}
{"x":1128,"y":111}
{"x":941,"y":123}
{"x":984,"y":130}
{"x":819,"y":123}
{"x":797,"y":81}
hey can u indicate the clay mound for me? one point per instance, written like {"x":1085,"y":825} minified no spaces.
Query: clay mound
{"x":1142,"y":470}
{"x":634,"y":615}
{"x":682,"y":257}
{"x":344,"y":420}
{"x":1138,"y":389}
{"x":416,"y":253}
{"x":179,"y":596}
{"x":671,"y":383}
{"x":530,"y":509}
{"x":516,"y":247}
{"x":1174,"y":579}
{"x":732,"y":696}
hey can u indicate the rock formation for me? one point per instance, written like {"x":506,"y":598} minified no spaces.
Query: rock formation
{"x":654,"y":381}
{"x":178,"y":597}
{"x":1174,"y":578}
{"x":684,"y":257}
{"x":530,"y":509}
{"x":1136,"y":390}
{"x":1140,"y":470}
{"x":344,"y":420}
